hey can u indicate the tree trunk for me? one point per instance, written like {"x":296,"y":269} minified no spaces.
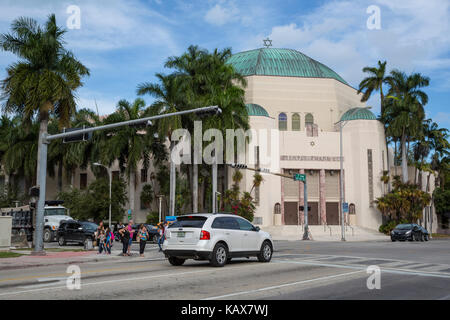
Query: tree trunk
{"x":131,"y":180}
{"x":60,"y":178}
{"x":404,"y":160}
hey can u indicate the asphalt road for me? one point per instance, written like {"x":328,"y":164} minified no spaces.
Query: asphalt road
{"x":298,"y":270}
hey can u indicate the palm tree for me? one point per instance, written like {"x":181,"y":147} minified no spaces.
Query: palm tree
{"x":20,"y":156}
{"x":404,"y":112}
{"x":207,"y":80}
{"x":44,"y":81}
{"x":168,"y":96}
{"x":128,"y":144}
{"x":70,"y":156}
{"x":374,"y":82}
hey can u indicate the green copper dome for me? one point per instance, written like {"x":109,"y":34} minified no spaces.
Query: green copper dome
{"x":256,"y":110}
{"x":280,"y":62}
{"x":358,"y":114}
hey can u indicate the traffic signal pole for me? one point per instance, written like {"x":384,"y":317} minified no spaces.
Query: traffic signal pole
{"x":46,"y":139}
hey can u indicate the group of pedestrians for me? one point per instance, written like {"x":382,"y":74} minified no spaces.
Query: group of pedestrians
{"x":105,"y":237}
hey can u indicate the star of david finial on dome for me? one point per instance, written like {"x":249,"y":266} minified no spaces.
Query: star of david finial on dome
{"x":267,"y":42}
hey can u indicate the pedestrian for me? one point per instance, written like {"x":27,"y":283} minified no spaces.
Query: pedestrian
{"x":100,"y":228}
{"x":101,"y":241}
{"x":142,"y":237}
{"x":125,"y":237}
{"x":108,"y":240}
{"x":161,"y":235}
{"x":130,"y":240}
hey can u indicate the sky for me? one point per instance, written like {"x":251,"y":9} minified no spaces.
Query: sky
{"x":125,"y":42}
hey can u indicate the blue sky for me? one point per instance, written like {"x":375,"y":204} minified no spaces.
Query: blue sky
{"x":125,"y":42}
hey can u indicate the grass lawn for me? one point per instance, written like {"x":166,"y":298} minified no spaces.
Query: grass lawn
{"x":7,"y":254}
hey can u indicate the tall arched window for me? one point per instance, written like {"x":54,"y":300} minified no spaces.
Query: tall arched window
{"x":295,"y":122}
{"x":309,"y":119}
{"x":282,"y":122}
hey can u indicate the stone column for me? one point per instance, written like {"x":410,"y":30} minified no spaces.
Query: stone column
{"x":301,"y":198}
{"x":322,"y":197}
{"x":282,"y":199}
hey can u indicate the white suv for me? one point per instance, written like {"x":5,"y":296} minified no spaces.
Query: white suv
{"x":215,"y":237}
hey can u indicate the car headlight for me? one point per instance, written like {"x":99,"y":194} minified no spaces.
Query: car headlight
{"x":53,"y":228}
{"x":408,"y":232}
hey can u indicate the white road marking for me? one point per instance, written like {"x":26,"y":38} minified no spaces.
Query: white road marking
{"x":283,"y":285}
{"x":383,"y":269}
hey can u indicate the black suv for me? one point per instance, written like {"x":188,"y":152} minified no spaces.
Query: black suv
{"x":75,"y":231}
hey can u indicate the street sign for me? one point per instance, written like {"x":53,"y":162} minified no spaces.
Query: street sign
{"x":129,"y":214}
{"x":171,"y":218}
{"x":300,"y":177}
{"x":345,"y":207}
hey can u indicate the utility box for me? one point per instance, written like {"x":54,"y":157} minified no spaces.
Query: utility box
{"x":5,"y":232}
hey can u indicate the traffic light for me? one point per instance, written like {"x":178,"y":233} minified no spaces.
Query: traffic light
{"x":78,"y":137}
{"x":209,"y":113}
{"x":238,"y":166}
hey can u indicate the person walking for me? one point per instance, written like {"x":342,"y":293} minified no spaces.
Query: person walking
{"x":130,"y":240}
{"x":161,"y":235}
{"x":142,"y":237}
{"x":125,"y":237}
{"x":97,"y":234}
{"x":101,"y":242}
{"x":108,"y":240}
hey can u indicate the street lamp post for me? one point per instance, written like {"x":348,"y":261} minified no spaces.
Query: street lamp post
{"x":110,"y":185}
{"x":341,"y":175}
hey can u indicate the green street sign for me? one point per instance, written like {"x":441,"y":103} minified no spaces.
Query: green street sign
{"x":300,"y":177}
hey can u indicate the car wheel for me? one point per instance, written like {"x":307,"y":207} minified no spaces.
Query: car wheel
{"x":219,"y":255}
{"x":47,"y":235}
{"x":61,"y":241}
{"x":176,"y":261}
{"x":155,"y":239}
{"x":393,"y":240}
{"x":265,"y":254}
{"x":426,"y":237}
{"x":422,"y":237}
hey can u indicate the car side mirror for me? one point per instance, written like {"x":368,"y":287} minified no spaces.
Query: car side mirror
{"x":257,"y":229}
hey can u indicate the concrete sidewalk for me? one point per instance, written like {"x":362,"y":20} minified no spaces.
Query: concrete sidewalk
{"x":71,"y":257}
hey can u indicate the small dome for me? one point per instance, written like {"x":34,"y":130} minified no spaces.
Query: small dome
{"x":358,"y":114}
{"x":256,"y":110}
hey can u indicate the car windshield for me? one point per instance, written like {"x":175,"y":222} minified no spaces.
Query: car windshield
{"x":404,"y":226}
{"x":89,"y":225}
{"x":55,"y":212}
{"x":189,"y":222}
